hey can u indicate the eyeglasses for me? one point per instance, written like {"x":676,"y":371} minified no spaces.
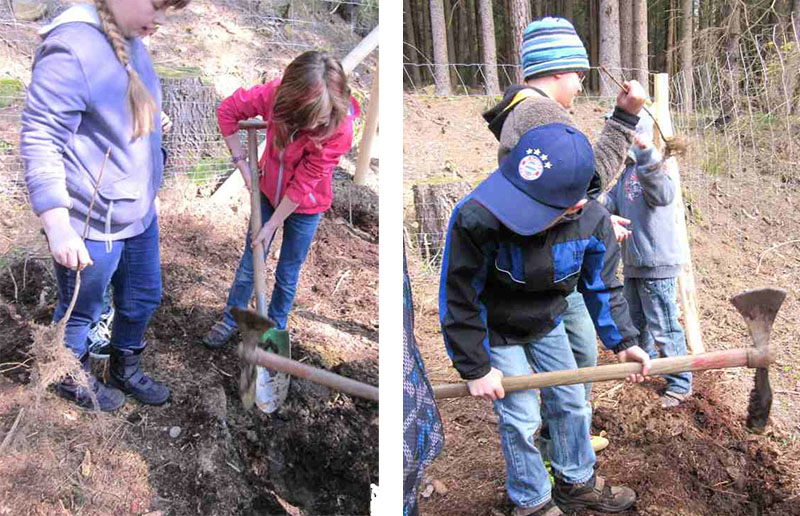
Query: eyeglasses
{"x":581,"y":76}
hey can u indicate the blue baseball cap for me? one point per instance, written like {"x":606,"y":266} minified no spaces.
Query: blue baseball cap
{"x":547,"y":172}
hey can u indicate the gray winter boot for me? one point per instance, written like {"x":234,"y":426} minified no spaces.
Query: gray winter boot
{"x":127,"y":376}
{"x":108,"y":398}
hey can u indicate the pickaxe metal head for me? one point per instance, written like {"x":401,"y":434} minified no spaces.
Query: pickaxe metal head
{"x":759,"y":308}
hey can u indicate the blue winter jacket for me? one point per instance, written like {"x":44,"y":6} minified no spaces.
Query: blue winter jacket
{"x":76,"y":109}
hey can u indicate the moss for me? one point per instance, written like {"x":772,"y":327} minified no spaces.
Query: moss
{"x":207,"y":169}
{"x":177,"y":72}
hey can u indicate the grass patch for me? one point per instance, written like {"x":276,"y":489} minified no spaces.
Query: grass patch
{"x":10,"y":91}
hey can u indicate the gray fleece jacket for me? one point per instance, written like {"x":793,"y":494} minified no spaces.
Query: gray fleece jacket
{"x":609,"y":150}
{"x":75,"y":110}
{"x":645,"y":194}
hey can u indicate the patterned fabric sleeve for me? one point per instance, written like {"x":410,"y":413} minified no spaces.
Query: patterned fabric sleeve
{"x":423,"y":435}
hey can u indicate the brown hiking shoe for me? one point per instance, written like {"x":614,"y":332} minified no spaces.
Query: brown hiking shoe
{"x":595,"y":494}
{"x":548,"y":509}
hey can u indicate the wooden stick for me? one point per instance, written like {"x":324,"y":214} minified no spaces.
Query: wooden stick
{"x":275,"y":362}
{"x":741,"y":357}
{"x":10,"y":434}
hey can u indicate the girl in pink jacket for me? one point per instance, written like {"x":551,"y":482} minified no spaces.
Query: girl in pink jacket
{"x":309,"y":114}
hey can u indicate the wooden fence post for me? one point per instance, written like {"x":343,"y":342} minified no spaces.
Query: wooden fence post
{"x":370,"y":127}
{"x":687,"y":295}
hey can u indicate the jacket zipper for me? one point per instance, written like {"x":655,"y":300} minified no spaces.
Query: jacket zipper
{"x":280,"y":170}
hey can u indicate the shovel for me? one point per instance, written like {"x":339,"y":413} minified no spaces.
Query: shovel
{"x":257,"y":385}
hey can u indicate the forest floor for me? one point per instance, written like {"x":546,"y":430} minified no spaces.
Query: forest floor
{"x":201,"y":453}
{"x":694,"y":460}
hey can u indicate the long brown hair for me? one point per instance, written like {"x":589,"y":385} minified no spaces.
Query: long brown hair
{"x":143,"y":107}
{"x":313,"y":85}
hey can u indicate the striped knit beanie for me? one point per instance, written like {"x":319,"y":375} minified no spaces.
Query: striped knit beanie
{"x":551,"y":45}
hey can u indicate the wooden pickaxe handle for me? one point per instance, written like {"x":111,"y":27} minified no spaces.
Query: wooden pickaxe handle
{"x":741,"y":357}
{"x":274,"y":362}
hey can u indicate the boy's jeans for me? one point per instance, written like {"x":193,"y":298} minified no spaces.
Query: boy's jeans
{"x":569,"y":416}
{"x":298,"y":232}
{"x":581,"y":333}
{"x":133,"y":266}
{"x":653,"y":307}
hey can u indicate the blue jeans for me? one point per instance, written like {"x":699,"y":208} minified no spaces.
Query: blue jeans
{"x":569,"y":417}
{"x":653,"y":308}
{"x":581,"y":334}
{"x":298,"y":232}
{"x":133,"y":267}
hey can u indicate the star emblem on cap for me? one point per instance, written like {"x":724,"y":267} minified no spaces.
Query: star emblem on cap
{"x":544,"y":157}
{"x":528,"y":151}
{"x":537,"y":152}
{"x":548,"y":165}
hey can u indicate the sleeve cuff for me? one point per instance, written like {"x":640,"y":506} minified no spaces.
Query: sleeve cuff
{"x":625,"y":344}
{"x":625,"y":118}
{"x":477,"y":373}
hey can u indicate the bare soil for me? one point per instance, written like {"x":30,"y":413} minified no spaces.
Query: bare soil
{"x":695,"y":460}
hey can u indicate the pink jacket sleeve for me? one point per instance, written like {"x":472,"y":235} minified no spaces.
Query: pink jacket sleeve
{"x":244,"y":104}
{"x":318,"y":164}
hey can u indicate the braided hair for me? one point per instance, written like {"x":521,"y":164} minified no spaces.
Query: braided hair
{"x":143,"y":107}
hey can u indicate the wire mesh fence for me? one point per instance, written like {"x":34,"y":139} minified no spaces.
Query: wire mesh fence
{"x":740,"y":113}
{"x":194,"y":146}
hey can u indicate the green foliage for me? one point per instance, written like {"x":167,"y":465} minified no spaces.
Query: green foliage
{"x":207,"y":170}
{"x":6,"y":147}
{"x":712,"y":165}
{"x":10,"y":90}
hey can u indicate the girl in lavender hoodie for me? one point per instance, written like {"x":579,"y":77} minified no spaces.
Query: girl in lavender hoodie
{"x":93,"y":90}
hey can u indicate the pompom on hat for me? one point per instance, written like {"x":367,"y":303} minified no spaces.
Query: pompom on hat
{"x":551,"y":45}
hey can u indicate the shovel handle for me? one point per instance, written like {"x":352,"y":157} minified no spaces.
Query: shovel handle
{"x":741,"y":357}
{"x":297,"y":369}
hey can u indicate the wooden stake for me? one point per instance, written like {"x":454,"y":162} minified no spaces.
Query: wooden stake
{"x":370,"y":127}
{"x":687,"y":295}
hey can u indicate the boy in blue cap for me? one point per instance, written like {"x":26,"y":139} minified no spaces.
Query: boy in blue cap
{"x":516,"y":247}
{"x":652,"y":256}
{"x":554,"y":63}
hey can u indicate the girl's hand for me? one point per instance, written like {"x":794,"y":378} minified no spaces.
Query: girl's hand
{"x":620,"y":231}
{"x":643,"y":141}
{"x":67,"y":247}
{"x":166,"y":123}
{"x":266,"y":234}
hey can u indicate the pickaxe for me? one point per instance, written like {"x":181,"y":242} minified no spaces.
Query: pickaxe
{"x":758,"y":307}
{"x":252,"y":326}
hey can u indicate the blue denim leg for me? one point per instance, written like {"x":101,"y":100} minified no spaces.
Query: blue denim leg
{"x":88,"y":306}
{"x":581,"y":334}
{"x":631,"y":293}
{"x":519,"y":417}
{"x":661,"y":311}
{"x":137,"y":288}
{"x":298,"y":233}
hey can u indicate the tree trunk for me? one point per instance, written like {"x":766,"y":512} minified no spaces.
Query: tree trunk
{"x":609,"y":44}
{"x":640,"y":42}
{"x":518,"y":19}
{"x":686,"y":55}
{"x":489,"y":50}
{"x":461,"y":26}
{"x":568,"y":12}
{"x":733,"y":58}
{"x":626,"y":36}
{"x":433,"y":204}
{"x":473,"y":42}
{"x":450,"y":30}
{"x":669,"y":48}
{"x":441,"y":73}
{"x":537,"y":10}
{"x":410,"y":46}
{"x":594,"y":44}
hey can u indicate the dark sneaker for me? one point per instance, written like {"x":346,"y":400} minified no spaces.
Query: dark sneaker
{"x":219,"y":335}
{"x":595,"y":494}
{"x":126,"y":374}
{"x":99,"y":337}
{"x":99,"y":349}
{"x":108,"y":398}
{"x":548,"y":509}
